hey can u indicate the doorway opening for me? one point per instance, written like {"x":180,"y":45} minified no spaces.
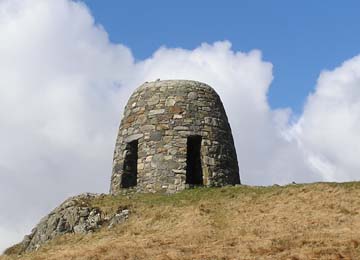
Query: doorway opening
{"x":194,"y":174}
{"x":129,"y":176}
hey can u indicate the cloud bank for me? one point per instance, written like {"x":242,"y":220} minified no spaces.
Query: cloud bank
{"x":329,"y":127}
{"x":63,"y":86}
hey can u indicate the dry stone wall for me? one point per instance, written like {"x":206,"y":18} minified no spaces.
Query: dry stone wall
{"x":162,"y":123}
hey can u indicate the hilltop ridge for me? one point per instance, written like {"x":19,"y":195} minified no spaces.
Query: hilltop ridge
{"x":301,"y":221}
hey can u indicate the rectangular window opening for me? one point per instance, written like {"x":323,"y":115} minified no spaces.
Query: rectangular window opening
{"x":194,"y":175}
{"x":129,"y":176}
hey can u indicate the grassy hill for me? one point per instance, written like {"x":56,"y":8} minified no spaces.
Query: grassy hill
{"x":312,"y":221}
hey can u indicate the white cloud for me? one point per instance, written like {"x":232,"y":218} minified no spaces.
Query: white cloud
{"x":329,"y":128}
{"x":61,"y":95}
{"x":63,"y":86}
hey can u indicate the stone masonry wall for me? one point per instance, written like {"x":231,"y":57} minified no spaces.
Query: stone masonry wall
{"x":161,"y":115}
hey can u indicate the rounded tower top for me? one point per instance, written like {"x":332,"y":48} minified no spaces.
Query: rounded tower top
{"x":174,"y":134}
{"x":174,"y":82}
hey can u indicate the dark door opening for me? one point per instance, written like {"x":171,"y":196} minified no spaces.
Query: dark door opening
{"x":129,"y":176}
{"x":194,"y":174}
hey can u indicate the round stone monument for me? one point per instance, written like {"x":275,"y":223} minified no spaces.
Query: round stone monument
{"x":174,"y":134}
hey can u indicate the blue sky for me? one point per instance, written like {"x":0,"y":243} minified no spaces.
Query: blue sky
{"x":300,"y":38}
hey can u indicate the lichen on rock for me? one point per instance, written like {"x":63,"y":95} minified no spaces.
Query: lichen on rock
{"x":75,"y":215}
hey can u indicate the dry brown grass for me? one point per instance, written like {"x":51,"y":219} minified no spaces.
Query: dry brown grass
{"x":315,"y":221}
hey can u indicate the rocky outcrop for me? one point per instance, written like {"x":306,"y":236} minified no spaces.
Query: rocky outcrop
{"x":75,"y":215}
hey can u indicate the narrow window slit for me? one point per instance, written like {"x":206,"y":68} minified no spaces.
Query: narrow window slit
{"x":194,"y":175}
{"x":129,"y":176}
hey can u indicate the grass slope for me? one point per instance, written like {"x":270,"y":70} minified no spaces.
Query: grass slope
{"x":313,"y":221}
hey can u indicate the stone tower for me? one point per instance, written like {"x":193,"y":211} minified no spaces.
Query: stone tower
{"x":174,"y":134}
